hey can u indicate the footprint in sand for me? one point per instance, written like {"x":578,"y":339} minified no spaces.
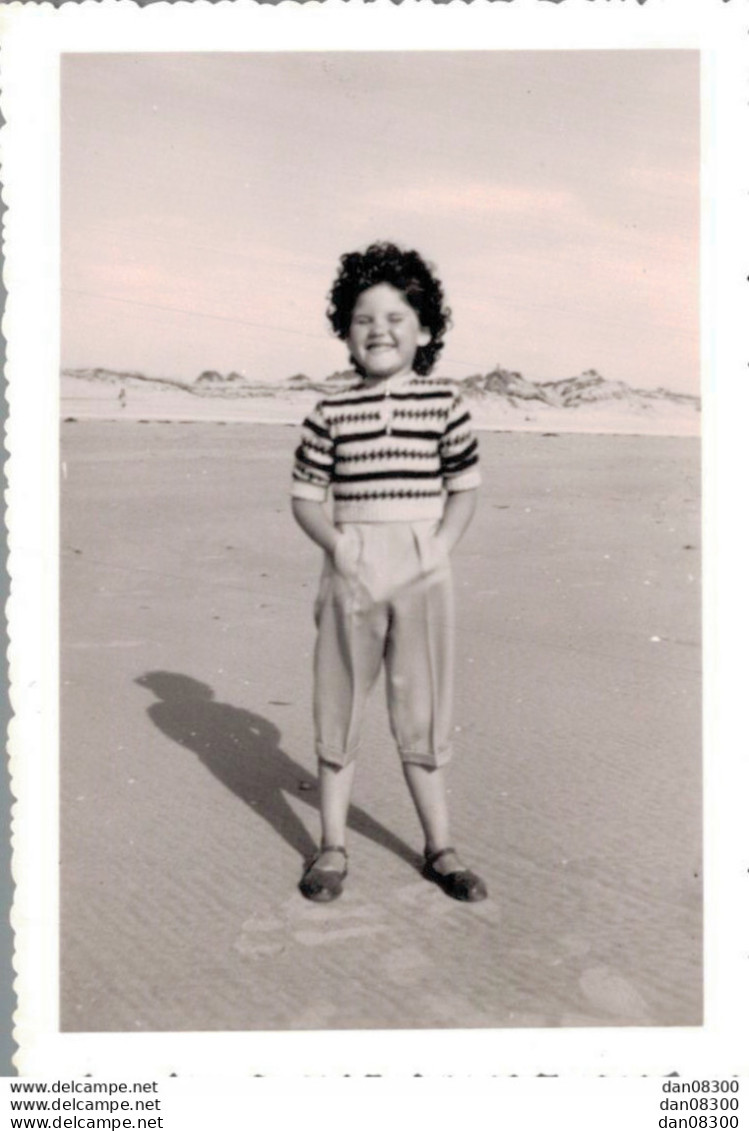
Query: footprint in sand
{"x":256,"y":938}
{"x":261,"y":926}
{"x":312,"y":914}
{"x":309,"y":924}
{"x":313,"y":924}
{"x":611,"y":993}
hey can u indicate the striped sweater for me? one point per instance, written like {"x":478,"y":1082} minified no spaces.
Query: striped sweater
{"x":390,"y":451}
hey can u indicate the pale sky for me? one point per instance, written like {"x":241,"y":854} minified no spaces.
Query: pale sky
{"x":207,"y":198}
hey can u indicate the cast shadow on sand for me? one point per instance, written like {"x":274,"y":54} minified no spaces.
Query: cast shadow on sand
{"x":243,"y":751}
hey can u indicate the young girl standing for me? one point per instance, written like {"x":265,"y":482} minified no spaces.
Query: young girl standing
{"x":398,"y":453}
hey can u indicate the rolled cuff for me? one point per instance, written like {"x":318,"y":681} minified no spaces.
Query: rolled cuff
{"x":432,"y":759}
{"x":336,"y":758}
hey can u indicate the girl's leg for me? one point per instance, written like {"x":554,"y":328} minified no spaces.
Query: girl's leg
{"x":352,"y":630}
{"x":419,"y":667}
{"x":323,"y":876}
{"x":427,"y":788}
{"x":430,"y":797}
{"x":335,"y":796}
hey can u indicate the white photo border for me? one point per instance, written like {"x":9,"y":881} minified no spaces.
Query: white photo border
{"x":34,"y":37}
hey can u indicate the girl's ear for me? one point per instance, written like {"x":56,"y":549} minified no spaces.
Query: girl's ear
{"x":424,"y":336}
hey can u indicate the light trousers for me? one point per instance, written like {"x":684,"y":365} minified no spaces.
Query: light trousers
{"x":385,"y":599}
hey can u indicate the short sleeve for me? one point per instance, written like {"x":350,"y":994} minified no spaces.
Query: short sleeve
{"x":313,"y":459}
{"x":459,"y":450}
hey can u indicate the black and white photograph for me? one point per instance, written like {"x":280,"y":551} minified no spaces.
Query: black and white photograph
{"x":374,"y":395}
{"x":453,"y":295}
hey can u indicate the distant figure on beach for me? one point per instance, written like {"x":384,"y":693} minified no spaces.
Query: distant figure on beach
{"x":398,"y":452}
{"x":122,"y":398}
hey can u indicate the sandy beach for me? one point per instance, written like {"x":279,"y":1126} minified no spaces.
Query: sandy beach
{"x":187,"y":772}
{"x":149,"y":402}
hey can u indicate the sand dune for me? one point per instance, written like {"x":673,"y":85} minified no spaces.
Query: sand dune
{"x":135,"y":398}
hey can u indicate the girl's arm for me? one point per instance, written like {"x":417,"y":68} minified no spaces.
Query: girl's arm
{"x":459,"y":510}
{"x":314,"y":521}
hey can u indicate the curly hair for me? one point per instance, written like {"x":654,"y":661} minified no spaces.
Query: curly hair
{"x":409,"y":274}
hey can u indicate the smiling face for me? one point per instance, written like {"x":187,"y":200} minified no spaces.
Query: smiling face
{"x":385,"y":332}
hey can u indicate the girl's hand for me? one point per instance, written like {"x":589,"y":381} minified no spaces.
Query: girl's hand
{"x":314,"y":521}
{"x":459,"y":510}
{"x":442,"y":543}
{"x":346,"y":553}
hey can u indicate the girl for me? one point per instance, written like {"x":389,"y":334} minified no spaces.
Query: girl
{"x":398,"y":453}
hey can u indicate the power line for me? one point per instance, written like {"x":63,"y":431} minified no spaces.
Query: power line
{"x":479,"y":366}
{"x":223,"y":318}
{"x":193,"y":313}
